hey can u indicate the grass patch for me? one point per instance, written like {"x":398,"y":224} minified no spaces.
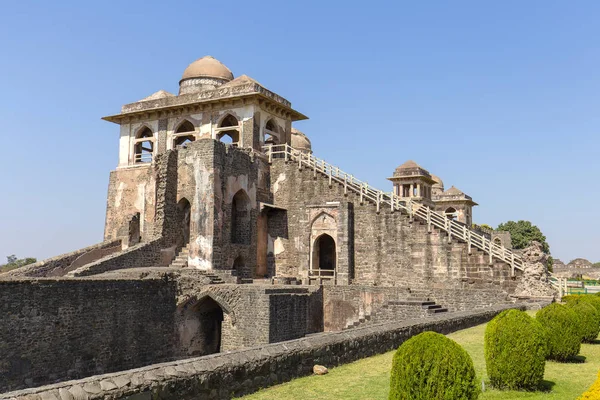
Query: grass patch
{"x":369,"y":378}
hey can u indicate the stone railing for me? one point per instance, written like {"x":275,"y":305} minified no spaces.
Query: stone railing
{"x":383,"y":199}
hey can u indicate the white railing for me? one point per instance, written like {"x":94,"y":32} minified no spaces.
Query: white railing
{"x":389,"y":199}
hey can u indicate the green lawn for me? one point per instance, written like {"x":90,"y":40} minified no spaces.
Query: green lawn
{"x":369,"y":378}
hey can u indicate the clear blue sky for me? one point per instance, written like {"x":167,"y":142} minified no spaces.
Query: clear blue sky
{"x":500,"y":99}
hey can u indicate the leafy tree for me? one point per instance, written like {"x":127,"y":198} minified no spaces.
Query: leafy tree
{"x":486,"y":226}
{"x":13,"y":263}
{"x":522,"y":233}
{"x":596,"y":265}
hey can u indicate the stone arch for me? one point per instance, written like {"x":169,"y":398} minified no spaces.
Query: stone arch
{"x":200,"y":326}
{"x":324,"y":253}
{"x":241,"y":229}
{"x":451,"y":213}
{"x":185,"y":132}
{"x":498,"y":241}
{"x":323,"y":220}
{"x":143,"y":147}
{"x":271,"y":133}
{"x":228,"y":129}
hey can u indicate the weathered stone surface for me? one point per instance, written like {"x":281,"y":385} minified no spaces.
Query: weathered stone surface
{"x":107,"y":385}
{"x":78,"y":393}
{"x":535,"y":281}
{"x":235,"y":376}
{"x":320,"y":370}
{"x":65,"y":394}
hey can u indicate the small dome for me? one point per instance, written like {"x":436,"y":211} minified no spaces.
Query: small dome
{"x":207,"y":67}
{"x":438,"y":181}
{"x":300,"y":141}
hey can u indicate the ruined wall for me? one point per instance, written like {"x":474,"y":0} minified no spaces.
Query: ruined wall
{"x":389,"y":249}
{"x":131,"y":190}
{"x":210,"y":175}
{"x":59,"y":265}
{"x":55,"y":330}
{"x":224,"y":376}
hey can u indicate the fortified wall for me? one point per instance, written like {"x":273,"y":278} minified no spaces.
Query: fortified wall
{"x":224,"y":232}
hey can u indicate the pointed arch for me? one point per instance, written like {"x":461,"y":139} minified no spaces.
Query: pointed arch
{"x":228,"y":129}
{"x":185,"y":133}
{"x":451,"y":213}
{"x":143,"y":145}
{"x":241,"y":229}
{"x":271,"y":133}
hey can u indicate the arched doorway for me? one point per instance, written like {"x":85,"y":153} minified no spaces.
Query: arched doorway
{"x":200,"y":327}
{"x":184,"y":209}
{"x":324,"y":253}
{"x":239,"y":266}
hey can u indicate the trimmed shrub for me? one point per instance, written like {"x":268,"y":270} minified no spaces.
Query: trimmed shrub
{"x":515,"y":351}
{"x":585,"y":298}
{"x":563,"y":334}
{"x":431,"y":366}
{"x":589,"y":319}
{"x":593,"y":393}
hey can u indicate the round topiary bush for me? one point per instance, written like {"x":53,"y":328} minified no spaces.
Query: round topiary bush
{"x":589,"y":319}
{"x":515,"y":351}
{"x":431,"y":366}
{"x":563,"y":334}
{"x":585,"y":298}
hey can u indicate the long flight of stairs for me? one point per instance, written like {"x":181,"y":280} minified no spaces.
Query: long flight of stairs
{"x":181,"y":259}
{"x":414,"y":306}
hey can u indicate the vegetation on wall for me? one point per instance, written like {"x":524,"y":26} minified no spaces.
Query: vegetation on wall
{"x":12,"y":262}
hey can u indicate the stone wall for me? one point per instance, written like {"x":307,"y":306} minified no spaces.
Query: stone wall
{"x":59,"y":265}
{"x":53,"y":330}
{"x":223,"y":376}
{"x":389,"y":248}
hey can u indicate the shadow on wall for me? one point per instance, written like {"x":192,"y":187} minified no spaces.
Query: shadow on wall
{"x":200,"y":327}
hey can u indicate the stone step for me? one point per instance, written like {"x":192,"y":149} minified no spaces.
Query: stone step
{"x":437,"y":310}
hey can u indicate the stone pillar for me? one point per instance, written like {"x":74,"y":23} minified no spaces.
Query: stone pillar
{"x":418,"y":190}
{"x":412,"y":188}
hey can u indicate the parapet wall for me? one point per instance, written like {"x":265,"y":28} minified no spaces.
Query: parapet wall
{"x":54,"y":330}
{"x":59,"y":265}
{"x":222,"y":376}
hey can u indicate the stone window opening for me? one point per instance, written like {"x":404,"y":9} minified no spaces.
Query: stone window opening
{"x":450,"y":213}
{"x":271,"y":134}
{"x":240,"y":218}
{"x":143,"y":146}
{"x":184,"y":134}
{"x":228,"y":130}
{"x":324,"y":254}
{"x":498,"y":241}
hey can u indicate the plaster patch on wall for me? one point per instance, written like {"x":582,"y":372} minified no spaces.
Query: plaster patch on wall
{"x":278,"y":181}
{"x":119,"y":195}
{"x":270,"y":244}
{"x":204,"y":247}
{"x":278,"y":247}
{"x":141,"y":196}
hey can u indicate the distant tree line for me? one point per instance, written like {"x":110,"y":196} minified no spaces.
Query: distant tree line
{"x":12,"y":262}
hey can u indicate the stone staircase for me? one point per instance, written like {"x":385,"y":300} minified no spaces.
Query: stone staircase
{"x":414,"y":306}
{"x":454,"y":230}
{"x":181,"y":259}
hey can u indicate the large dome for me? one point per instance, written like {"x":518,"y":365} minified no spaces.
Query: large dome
{"x":300,"y":141}
{"x":207,"y":67}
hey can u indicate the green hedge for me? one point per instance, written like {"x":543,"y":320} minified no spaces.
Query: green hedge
{"x":431,"y":366}
{"x":563,"y":332}
{"x":589,"y":319}
{"x":515,"y":351}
